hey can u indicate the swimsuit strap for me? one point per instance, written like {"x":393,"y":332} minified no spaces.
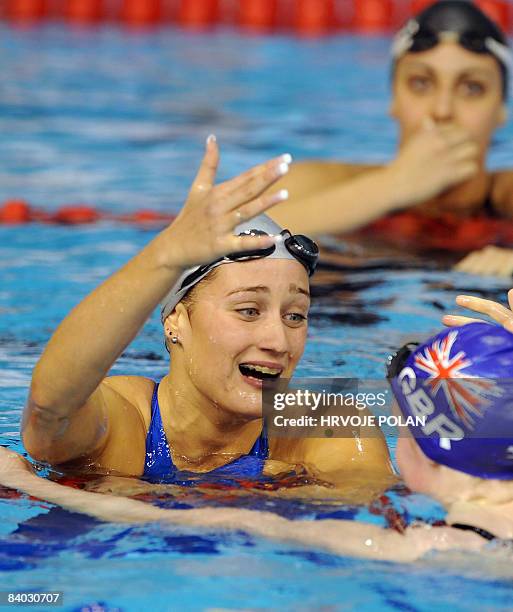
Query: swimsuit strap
{"x":158,"y":456}
{"x":487,"y":535}
{"x":488,"y":208}
{"x":260,"y":448}
{"x":159,"y":463}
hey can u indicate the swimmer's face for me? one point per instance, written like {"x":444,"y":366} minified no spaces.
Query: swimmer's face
{"x":251,"y":315}
{"x":416,"y":469}
{"x":449,"y":85}
{"x":423,"y":475}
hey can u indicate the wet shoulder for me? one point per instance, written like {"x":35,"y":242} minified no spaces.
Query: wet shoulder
{"x":136,"y":391}
{"x":335,"y":455}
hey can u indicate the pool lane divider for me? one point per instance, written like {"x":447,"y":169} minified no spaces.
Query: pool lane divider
{"x":84,"y":11}
{"x":18,"y":212}
{"x":303,"y":17}
{"x":408,"y":229}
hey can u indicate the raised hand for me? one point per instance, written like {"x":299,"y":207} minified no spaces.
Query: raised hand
{"x":203,"y":230}
{"x":435,"y":159}
{"x":495,"y":311}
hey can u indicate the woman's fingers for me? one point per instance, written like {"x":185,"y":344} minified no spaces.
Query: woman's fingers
{"x":494,"y":310}
{"x":254,"y":182}
{"x":258,"y":206}
{"x":455,"y":137}
{"x":206,"y":176}
{"x":237,"y":244}
{"x":499,"y":313}
{"x":457,"y":320}
{"x":211,"y":213}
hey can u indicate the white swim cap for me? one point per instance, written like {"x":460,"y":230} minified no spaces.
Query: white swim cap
{"x":301,"y":249}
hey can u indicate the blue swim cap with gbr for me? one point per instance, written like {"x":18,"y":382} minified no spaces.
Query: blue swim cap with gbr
{"x":295,"y":247}
{"x":461,"y":382}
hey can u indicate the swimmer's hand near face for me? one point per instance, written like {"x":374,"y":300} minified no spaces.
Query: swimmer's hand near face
{"x":495,"y":311}
{"x":204,"y":228}
{"x":437,"y":158}
{"x":74,"y":411}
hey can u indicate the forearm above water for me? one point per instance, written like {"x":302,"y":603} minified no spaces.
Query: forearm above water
{"x":342,"y":206}
{"x":338,"y":537}
{"x":96,"y":331}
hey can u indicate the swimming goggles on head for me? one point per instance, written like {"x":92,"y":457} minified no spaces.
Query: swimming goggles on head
{"x":414,"y":38}
{"x":395,"y":362}
{"x":302,"y":248}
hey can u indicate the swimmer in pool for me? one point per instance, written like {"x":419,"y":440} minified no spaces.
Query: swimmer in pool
{"x":462,"y":458}
{"x":235,"y":303}
{"x":450,"y":75}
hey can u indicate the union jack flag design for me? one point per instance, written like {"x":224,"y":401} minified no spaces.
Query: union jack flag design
{"x":466,"y":395}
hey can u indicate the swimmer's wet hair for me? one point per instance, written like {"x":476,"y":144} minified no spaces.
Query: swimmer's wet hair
{"x":190,"y":299}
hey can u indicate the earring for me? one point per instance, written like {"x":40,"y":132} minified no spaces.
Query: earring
{"x":174,"y":340}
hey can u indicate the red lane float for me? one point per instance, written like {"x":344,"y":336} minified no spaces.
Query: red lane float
{"x":16,"y":212}
{"x":314,"y":17}
{"x":143,"y":217}
{"x":408,"y":230}
{"x":498,"y":10}
{"x":74,"y":215}
{"x":419,"y":5}
{"x":198,"y":13}
{"x":306,"y":17}
{"x":141,"y":12}
{"x":447,"y":232}
{"x":373,"y":15}
{"x":84,"y":11}
{"x":258,"y":14}
{"x":26,"y":10}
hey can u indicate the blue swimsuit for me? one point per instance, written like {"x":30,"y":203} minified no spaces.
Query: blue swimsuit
{"x":159,"y":465}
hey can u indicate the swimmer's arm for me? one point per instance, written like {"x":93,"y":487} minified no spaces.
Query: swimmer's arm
{"x":319,"y":192}
{"x":335,"y":458}
{"x":436,"y":158}
{"x":369,"y":541}
{"x":65,"y":394}
{"x":339,"y":537}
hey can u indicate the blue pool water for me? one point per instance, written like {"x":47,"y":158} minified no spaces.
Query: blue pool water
{"x":118,"y":120}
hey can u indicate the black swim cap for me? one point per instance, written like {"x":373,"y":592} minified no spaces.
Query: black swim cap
{"x":475,"y":32}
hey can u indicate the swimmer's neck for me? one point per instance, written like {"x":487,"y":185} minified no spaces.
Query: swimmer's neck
{"x":200,"y":434}
{"x":497,"y":518}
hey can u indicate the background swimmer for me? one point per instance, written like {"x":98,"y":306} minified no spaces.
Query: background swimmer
{"x":449,"y":86}
{"x":238,"y":324}
{"x":472,"y":477}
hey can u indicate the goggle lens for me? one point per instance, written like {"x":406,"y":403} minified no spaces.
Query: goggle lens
{"x":300,"y":247}
{"x":425,"y":39}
